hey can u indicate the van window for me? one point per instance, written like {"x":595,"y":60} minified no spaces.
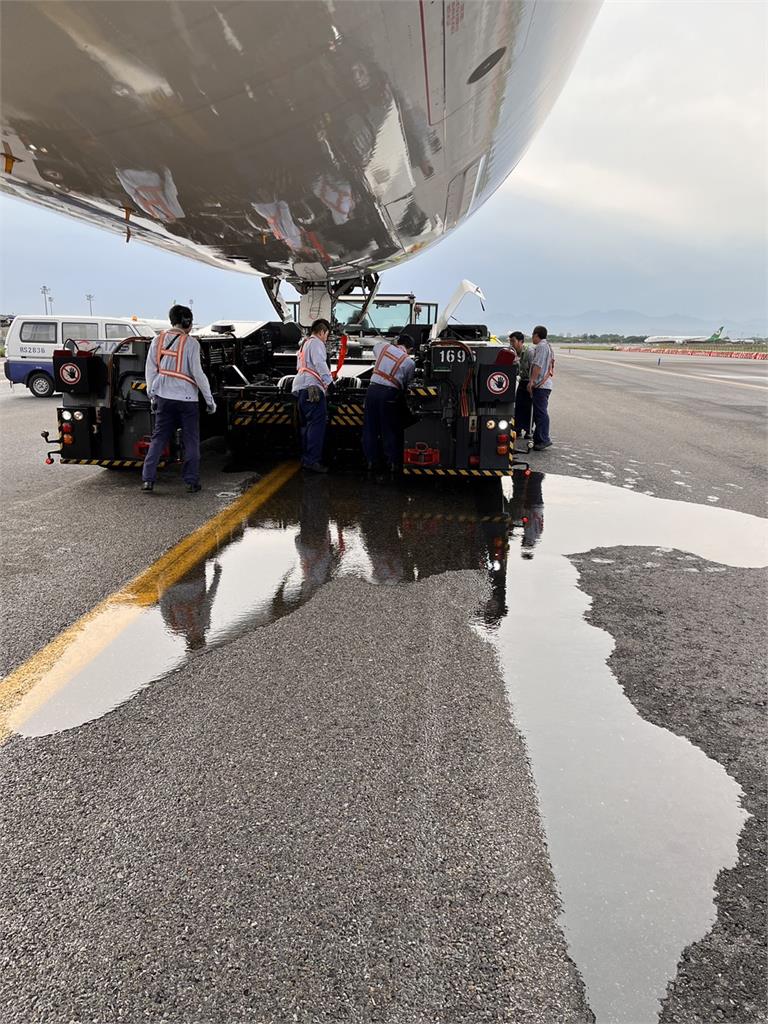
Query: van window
{"x":77,"y":332}
{"x":116,"y":332}
{"x":38,"y":331}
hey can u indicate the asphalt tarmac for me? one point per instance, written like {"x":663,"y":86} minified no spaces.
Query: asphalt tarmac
{"x":322,"y":807}
{"x":691,"y":428}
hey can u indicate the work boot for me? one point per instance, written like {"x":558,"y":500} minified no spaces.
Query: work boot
{"x":316,"y":467}
{"x":147,"y":486}
{"x":194,"y":488}
{"x":541,"y":447}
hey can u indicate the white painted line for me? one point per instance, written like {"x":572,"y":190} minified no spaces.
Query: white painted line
{"x":734,"y":376}
{"x":669,"y":373}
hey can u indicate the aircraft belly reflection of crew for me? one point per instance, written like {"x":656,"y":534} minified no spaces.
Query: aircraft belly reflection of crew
{"x":175,"y":380}
{"x":312,"y":380}
{"x":317,"y":555}
{"x":533,"y":513}
{"x":383,"y":536}
{"x":186,"y":606}
{"x":385,"y":402}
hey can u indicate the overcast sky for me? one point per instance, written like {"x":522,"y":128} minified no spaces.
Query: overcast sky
{"x":645,"y":190}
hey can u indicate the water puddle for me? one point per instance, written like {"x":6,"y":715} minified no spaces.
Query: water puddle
{"x":313,"y":531}
{"x":639,"y":821}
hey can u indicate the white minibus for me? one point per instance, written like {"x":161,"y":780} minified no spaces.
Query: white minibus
{"x":32,"y":339}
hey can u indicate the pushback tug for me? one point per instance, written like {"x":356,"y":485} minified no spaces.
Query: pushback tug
{"x":459,"y":407}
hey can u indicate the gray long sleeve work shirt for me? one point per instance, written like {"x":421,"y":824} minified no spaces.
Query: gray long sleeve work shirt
{"x":315,"y":357}
{"x":161,"y":386}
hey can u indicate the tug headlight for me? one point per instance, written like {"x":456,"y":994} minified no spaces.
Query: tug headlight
{"x":503,"y":424}
{"x":66,"y":415}
{"x":79,"y":415}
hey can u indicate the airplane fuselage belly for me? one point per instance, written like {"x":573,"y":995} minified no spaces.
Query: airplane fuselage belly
{"x":300,"y":140}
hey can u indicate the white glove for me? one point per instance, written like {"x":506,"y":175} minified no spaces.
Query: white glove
{"x":211,"y":409}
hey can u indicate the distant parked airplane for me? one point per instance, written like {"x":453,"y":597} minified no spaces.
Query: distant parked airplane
{"x":668,"y":339}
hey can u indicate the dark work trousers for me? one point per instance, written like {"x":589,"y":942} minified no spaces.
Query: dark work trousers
{"x":170,"y":415}
{"x":541,"y":415}
{"x":522,"y":408}
{"x":313,"y":417}
{"x":383,"y":424}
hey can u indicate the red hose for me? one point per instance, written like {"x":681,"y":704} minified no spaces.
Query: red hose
{"x":342,"y":356}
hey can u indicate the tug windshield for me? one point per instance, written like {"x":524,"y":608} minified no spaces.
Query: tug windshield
{"x":385,"y":315}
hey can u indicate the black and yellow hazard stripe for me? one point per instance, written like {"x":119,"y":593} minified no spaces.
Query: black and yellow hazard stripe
{"x":344,"y":419}
{"x":263,"y":419}
{"x":116,"y":463}
{"x":424,"y":392}
{"x":438,"y":471}
{"x":272,"y":418}
{"x":449,"y":518}
{"x":261,"y":406}
{"x":139,"y":385}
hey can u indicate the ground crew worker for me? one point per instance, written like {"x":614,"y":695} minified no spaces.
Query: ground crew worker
{"x":310,"y":386}
{"x":175,"y":379}
{"x":385,"y":402}
{"x":540,"y":387}
{"x":523,"y":405}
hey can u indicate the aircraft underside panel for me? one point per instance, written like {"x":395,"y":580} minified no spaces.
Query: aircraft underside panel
{"x":301,"y":140}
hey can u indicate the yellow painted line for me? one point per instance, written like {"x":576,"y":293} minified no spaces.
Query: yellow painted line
{"x":149,"y":587}
{"x":37,"y":680}
{"x":58,"y":662}
{"x":669,"y":373}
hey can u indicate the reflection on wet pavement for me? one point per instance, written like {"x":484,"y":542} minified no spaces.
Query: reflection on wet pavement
{"x":312,"y":531}
{"x":639,"y":822}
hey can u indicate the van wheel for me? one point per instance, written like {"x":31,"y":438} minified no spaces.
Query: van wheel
{"x":41,"y":385}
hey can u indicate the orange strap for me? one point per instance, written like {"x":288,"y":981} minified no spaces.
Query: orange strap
{"x":177,"y":354}
{"x":388,"y":352}
{"x":303,"y":368}
{"x":343,"y":343}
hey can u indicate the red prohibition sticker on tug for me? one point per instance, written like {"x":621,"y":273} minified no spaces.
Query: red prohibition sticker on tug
{"x":498,"y":383}
{"x":70,"y":373}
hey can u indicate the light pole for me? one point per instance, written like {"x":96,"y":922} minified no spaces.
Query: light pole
{"x":89,"y":299}
{"x":50,"y":304}
{"x":45,"y":291}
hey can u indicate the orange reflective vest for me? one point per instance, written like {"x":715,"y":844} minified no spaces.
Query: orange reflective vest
{"x":389,"y":361}
{"x":301,"y":361}
{"x":176,"y":355}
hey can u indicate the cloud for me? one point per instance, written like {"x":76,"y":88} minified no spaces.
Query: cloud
{"x":663,"y":124}
{"x":592,"y":186}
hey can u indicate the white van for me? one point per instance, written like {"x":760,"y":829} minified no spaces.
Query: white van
{"x":32,"y":339}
